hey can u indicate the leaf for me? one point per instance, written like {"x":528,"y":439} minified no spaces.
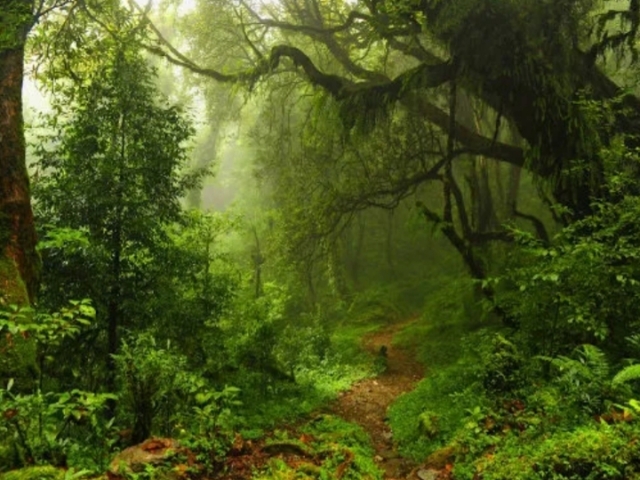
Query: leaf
{"x":627,"y":374}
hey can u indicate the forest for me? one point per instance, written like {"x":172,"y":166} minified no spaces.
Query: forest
{"x":319,"y":239}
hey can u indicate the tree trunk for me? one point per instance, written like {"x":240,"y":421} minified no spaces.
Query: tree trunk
{"x":19,"y":261}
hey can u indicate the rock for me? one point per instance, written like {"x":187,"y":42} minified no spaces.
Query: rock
{"x":154,"y":452}
{"x":427,"y":474}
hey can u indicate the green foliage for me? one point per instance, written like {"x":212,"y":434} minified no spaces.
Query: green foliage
{"x":592,"y":452}
{"x":334,"y":449}
{"x":15,"y":21}
{"x":149,"y":376}
{"x":584,"y":378}
{"x":47,"y":427}
{"x":457,"y":358}
{"x":583,"y":289}
{"x":502,"y":368}
{"x":429,"y":424}
{"x":35,"y":473}
{"x":26,"y":328}
{"x":627,"y":374}
{"x":41,"y":425}
{"x":110,"y":177}
{"x":160,"y":394}
{"x":208,"y":428}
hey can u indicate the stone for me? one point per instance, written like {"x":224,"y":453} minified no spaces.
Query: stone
{"x":427,"y":474}
{"x":154,"y":452}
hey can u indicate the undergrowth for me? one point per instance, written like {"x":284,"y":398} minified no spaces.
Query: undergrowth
{"x":443,"y":339}
{"x":327,"y":447}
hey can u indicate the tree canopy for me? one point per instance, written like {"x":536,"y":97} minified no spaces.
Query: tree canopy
{"x":417,"y":216}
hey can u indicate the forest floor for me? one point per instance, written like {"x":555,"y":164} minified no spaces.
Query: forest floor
{"x":367,"y":401}
{"x":364,"y":404}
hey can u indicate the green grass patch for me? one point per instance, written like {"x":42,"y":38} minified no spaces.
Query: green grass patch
{"x":34,"y":473}
{"x":428,"y":417}
{"x":345,"y":363}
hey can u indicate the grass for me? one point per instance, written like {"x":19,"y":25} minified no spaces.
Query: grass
{"x":345,"y":363}
{"x":442,"y":339}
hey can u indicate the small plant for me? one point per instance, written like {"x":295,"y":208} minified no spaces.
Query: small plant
{"x":502,"y":371}
{"x":429,"y":424}
{"x":584,"y":378}
{"x":209,"y":427}
{"x":154,"y":385}
{"x":39,"y":333}
{"x":44,"y":426}
{"x":41,"y":426}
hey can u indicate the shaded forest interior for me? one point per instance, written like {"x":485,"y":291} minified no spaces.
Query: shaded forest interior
{"x":317,"y":239}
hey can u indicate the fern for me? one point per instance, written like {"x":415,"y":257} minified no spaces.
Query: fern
{"x":584,"y":377}
{"x":632,"y":372}
{"x":590,"y":364}
{"x":596,"y":360}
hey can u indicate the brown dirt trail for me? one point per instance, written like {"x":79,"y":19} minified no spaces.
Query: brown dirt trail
{"x":367,"y":401}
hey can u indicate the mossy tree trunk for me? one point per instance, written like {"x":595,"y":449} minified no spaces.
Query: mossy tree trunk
{"x":19,"y":261}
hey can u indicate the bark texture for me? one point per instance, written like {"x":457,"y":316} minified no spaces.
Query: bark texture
{"x":19,"y":261}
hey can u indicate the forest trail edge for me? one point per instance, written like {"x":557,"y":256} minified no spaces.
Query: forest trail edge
{"x":367,"y":401}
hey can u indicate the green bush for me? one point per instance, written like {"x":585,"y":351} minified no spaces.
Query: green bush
{"x":160,"y":394}
{"x":502,"y":368}
{"x":592,"y":452}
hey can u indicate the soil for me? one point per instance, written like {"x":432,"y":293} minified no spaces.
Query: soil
{"x":366,"y":403}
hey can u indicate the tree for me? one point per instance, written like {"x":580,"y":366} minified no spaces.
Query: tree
{"x":19,"y":261}
{"x":532,"y":68}
{"x":114,"y":172}
{"x":530,"y":62}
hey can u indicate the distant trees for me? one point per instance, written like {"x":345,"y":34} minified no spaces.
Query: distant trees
{"x":511,"y":83}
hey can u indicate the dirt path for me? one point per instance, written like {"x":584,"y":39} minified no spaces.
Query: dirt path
{"x":367,"y":402}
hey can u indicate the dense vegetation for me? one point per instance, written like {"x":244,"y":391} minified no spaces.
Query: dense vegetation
{"x":214,"y":203}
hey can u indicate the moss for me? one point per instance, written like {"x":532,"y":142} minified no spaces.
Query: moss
{"x":429,"y":424}
{"x":12,"y":288}
{"x":19,"y":361}
{"x":34,"y":473}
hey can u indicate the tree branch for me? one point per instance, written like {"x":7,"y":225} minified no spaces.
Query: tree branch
{"x":541,"y":230}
